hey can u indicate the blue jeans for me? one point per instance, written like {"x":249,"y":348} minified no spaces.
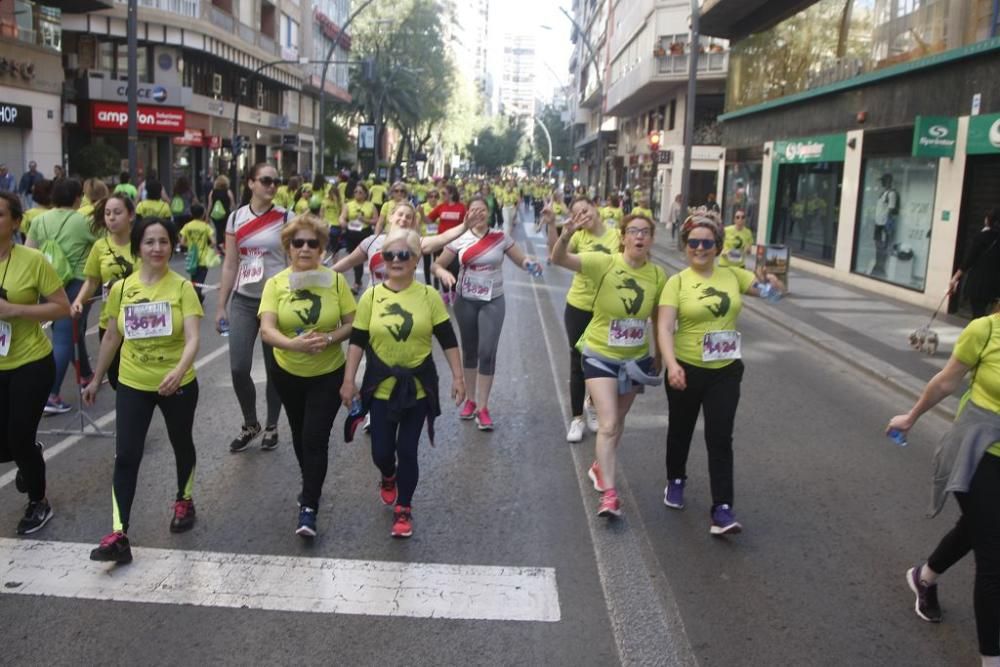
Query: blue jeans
{"x":62,"y":340}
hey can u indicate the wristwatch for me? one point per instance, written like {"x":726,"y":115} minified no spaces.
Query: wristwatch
{"x":329,"y":339}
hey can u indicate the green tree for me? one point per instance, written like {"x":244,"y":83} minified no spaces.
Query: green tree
{"x":494,"y":149}
{"x":97,"y":161}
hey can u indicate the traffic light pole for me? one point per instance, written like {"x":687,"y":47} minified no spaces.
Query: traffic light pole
{"x":689,"y":109}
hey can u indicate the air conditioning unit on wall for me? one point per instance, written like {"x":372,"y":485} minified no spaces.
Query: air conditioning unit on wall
{"x":216,"y":84}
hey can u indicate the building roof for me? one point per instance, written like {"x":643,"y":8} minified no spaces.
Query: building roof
{"x":735,"y":19}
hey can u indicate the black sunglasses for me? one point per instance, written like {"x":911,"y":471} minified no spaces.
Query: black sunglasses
{"x":396,"y":255}
{"x":707,"y":244}
{"x":267,"y":181}
{"x":312,"y":243}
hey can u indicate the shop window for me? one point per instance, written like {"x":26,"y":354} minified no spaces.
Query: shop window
{"x":808,"y":208}
{"x":742,"y":191}
{"x":893,"y":236}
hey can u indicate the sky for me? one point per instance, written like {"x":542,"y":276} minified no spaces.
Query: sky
{"x":552,"y":45}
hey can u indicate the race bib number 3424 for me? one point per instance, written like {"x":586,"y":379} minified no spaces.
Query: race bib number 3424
{"x":721,"y":346}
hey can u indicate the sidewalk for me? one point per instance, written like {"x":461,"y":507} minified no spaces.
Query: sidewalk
{"x":868,"y":331}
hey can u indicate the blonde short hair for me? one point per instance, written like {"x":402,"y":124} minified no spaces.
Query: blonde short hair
{"x":407,"y":236}
{"x":307,"y":221}
{"x":221,"y":183}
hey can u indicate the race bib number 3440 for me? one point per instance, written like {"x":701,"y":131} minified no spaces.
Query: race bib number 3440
{"x":148,"y":320}
{"x":626,"y":333}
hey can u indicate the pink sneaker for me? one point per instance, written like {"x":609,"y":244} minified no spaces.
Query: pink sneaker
{"x":595,"y":476}
{"x":610,"y":505}
{"x":468,"y":411}
{"x":483,"y":421}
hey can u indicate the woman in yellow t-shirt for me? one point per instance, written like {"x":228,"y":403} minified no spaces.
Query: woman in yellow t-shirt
{"x":969,"y":467}
{"x":332,"y":206}
{"x":110,"y":260}
{"x":616,"y":352}
{"x":153,"y":206}
{"x":704,"y":370}
{"x":157,"y":313}
{"x":393,"y":328}
{"x":305,"y":313}
{"x":356,"y":220}
{"x":27,"y":367}
{"x":94,"y":190}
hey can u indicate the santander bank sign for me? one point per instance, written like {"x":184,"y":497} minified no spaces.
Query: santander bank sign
{"x":113,"y":116}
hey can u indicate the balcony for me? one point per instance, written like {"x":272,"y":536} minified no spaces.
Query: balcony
{"x":188,"y":8}
{"x":708,"y":63}
{"x":221,"y":19}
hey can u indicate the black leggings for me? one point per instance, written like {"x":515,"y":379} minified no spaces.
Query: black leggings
{"x":311,"y":405}
{"x":576,"y":322}
{"x":427,"y":269}
{"x":23,"y":392}
{"x":717,"y":391}
{"x":394,"y":446}
{"x":352,"y":240}
{"x":978,"y":529}
{"x":112,"y":374}
{"x":134,"y":413}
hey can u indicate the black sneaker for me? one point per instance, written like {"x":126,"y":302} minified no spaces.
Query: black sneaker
{"x":36,"y":515}
{"x":19,"y":483}
{"x":242,"y":441}
{"x":926,"y":606}
{"x":270,"y":440}
{"x":114,"y":548}
{"x":183,"y":516}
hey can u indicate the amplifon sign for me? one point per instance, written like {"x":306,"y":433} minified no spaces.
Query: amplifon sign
{"x":111,"y":116}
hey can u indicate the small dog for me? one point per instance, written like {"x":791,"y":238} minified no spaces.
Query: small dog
{"x":924,"y":340}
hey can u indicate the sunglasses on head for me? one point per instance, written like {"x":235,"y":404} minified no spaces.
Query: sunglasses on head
{"x":707,"y":244}
{"x":267,"y":181}
{"x":312,"y":243}
{"x":396,"y":255}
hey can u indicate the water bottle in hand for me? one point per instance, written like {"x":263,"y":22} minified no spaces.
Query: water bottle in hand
{"x":224,"y":327}
{"x":534,"y":268}
{"x":897,"y":437}
{"x":354,"y":419}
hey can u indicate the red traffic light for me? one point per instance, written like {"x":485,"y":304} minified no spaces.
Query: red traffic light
{"x":654,"y":140}
{"x":576,"y":167}
{"x":548,"y":165}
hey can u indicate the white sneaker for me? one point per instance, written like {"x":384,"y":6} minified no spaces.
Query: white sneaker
{"x":591,"y":414}
{"x":575,"y":432}
{"x":367,"y":426}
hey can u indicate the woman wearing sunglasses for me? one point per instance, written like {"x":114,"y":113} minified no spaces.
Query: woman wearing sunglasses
{"x":305,"y":313}
{"x":398,"y":194}
{"x":737,"y":241}
{"x":615,"y":347}
{"x":393,"y":327}
{"x":357,"y":219}
{"x":702,"y":303}
{"x":253,"y":254}
{"x":480,"y":305}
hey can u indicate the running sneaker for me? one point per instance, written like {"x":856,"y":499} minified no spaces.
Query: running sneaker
{"x":242,"y":441}
{"x":723,"y":521}
{"x":610,"y":505}
{"x":307,"y":522}
{"x":183,"y":516}
{"x":483,"y":421}
{"x":402,"y":522}
{"x":387,"y":490}
{"x":595,"y":476}
{"x":575,"y":431}
{"x":926,"y":605}
{"x":113,"y":548}
{"x":468,"y":411}
{"x":673,"y":494}
{"x":19,"y":482}
{"x":591,"y":414}
{"x":270,"y":440}
{"x":36,"y":515}
{"x":56,"y":406}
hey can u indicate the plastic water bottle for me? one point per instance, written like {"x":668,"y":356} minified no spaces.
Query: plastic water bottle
{"x":897,"y":437}
{"x":534,"y":268}
{"x":769,"y":292}
{"x":355,"y":407}
{"x":224,"y":327}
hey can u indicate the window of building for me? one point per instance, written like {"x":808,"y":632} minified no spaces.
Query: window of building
{"x":672,"y":117}
{"x":224,"y":5}
{"x":661,"y":115}
{"x":268,"y":19}
{"x":289,"y":33}
{"x":807,"y":209}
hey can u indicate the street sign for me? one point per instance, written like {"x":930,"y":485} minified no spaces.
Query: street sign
{"x":935,"y":136}
{"x":984,"y":135}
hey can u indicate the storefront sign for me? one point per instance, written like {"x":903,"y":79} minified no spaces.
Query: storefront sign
{"x":15,"y":115}
{"x":110,"y":116}
{"x":191,"y":137}
{"x":827,"y":148}
{"x":935,"y":136}
{"x":984,"y":135}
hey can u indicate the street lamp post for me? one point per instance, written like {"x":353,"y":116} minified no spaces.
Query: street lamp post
{"x":548,"y":137}
{"x":132,"y":28}
{"x":600,"y":87}
{"x":690,"y":108}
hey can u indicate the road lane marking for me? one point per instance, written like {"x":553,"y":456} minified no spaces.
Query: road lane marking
{"x":282,"y":583}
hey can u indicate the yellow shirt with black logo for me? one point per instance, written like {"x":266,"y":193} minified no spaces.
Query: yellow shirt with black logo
{"x":108,"y":263}
{"x":377,"y":194}
{"x":146,"y":361}
{"x":148,"y":208}
{"x":626,"y":297}
{"x":641,"y":212}
{"x":400,"y":326}
{"x":607,"y":240}
{"x":978,"y":347}
{"x":426,"y":208}
{"x":199,"y":234}
{"x":704,"y":305}
{"x":308,"y":309}
{"x":365,"y":211}
{"x":735,"y":246}
{"x":612,"y":213}
{"x":27,"y":276}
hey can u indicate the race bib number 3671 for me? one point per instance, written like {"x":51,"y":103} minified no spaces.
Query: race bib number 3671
{"x":148,"y":320}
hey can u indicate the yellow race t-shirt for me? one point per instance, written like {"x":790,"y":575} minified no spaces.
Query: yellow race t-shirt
{"x":705,"y":305}
{"x":625,"y":300}
{"x":641,"y":212}
{"x":363,"y":212}
{"x":283,"y":197}
{"x":199,"y":234}
{"x":400,"y":326}
{"x":612,"y":213}
{"x":606,"y":240}
{"x":978,"y":347}
{"x":427,"y":227}
{"x":735,"y":246}
{"x":108,"y":263}
{"x":308,"y":309}
{"x":27,"y":276}
{"x":154,"y":342}
{"x":509,"y":198}
{"x":376,"y":194}
{"x":331,"y":211}
{"x":30,"y":215}
{"x":148,"y":208}
{"x":386,"y":211}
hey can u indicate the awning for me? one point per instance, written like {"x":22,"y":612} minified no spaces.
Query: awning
{"x":735,"y":19}
{"x":591,"y":138}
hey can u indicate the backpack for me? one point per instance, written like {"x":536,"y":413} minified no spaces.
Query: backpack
{"x":177,"y":205}
{"x":56,"y":257}
{"x":218,"y":211}
{"x":192,"y":259}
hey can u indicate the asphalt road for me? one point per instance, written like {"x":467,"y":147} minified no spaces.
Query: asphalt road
{"x":833,"y":515}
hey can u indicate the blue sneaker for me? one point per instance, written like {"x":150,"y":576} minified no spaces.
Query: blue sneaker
{"x":723,"y":521}
{"x":307,"y":522}
{"x":673,"y":495}
{"x":56,"y":406}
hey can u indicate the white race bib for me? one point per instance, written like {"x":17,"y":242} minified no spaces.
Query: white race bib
{"x":6,"y":337}
{"x":148,"y":320}
{"x":105,"y":291}
{"x":627,"y":333}
{"x":432,"y":228}
{"x":355,"y":225}
{"x":251,"y":270}
{"x":721,"y":346}
{"x":735,"y":255}
{"x":476,"y":287}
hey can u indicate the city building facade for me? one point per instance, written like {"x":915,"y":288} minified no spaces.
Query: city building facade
{"x":517,"y":85}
